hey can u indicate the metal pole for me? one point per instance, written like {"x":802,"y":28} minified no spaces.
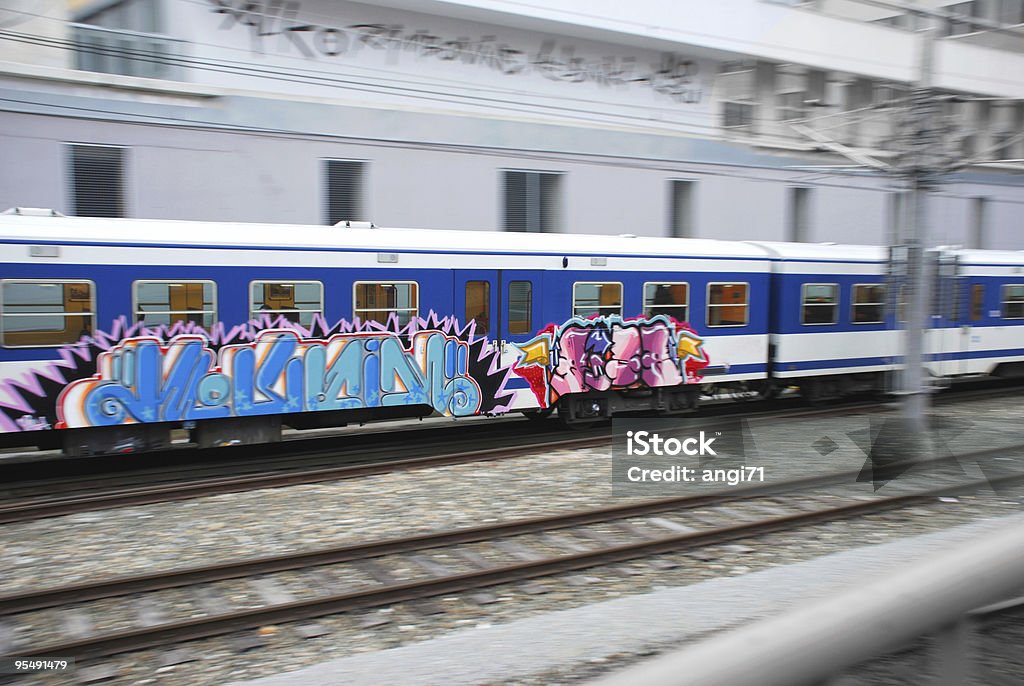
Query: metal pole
{"x":921,"y":178}
{"x":915,"y":400}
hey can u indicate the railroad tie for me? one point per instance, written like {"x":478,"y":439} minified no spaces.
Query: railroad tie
{"x":634,"y":531}
{"x":674,"y":527}
{"x":375,"y":571}
{"x":474,"y":558}
{"x":320,"y":580}
{"x":432,"y":567}
{"x":731,"y":514}
{"x":272,"y":592}
{"x":769,"y":510}
{"x":607,"y":540}
{"x":518,"y":551}
{"x":209,"y":601}
{"x":564,"y":542}
{"x":78,"y":624}
{"x":149,"y":612}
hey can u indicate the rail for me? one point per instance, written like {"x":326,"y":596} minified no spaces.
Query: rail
{"x":813,"y":644}
{"x":387,"y":590}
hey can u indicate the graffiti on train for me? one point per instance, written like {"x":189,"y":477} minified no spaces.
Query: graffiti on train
{"x":144,"y":380}
{"x":609,"y":352}
{"x":182,"y":372}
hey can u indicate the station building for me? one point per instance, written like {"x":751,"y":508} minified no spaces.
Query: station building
{"x":734,"y":119}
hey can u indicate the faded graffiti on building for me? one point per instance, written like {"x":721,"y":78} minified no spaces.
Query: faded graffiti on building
{"x":277,"y":25}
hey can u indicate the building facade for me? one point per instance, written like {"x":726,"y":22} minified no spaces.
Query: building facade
{"x":740,"y":119}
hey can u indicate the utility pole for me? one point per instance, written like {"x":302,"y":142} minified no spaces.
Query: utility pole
{"x":920,"y":171}
{"x":922,"y":161}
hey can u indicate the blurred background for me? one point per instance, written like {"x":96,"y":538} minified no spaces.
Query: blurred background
{"x":737,"y":119}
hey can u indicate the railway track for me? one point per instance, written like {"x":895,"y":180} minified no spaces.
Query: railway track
{"x":71,"y":496}
{"x":181,"y":465}
{"x":21,"y":478}
{"x":38,"y":508}
{"x":474,"y":558}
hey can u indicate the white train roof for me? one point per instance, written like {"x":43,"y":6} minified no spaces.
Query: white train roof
{"x":1009,"y":258}
{"x":145,"y":232}
{"x":824,"y":252}
{"x":159,"y":232}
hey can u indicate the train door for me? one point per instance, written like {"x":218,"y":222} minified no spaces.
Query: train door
{"x":962,"y":309}
{"x":944,"y":334}
{"x":476,"y":300}
{"x":505,"y":304}
{"x":975,"y":313}
{"x":520,"y":302}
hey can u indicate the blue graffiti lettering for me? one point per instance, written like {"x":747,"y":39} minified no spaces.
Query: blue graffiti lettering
{"x":142,"y":380}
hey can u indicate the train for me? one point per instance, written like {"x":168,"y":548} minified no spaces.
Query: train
{"x":116,"y":332}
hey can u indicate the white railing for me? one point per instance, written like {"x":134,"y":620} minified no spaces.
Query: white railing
{"x":936,"y":597}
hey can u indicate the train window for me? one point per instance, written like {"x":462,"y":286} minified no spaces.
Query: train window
{"x":43,"y":313}
{"x":672,"y":299}
{"x":596,"y":299}
{"x":977,"y":302}
{"x":868,"y":303}
{"x":520,"y":307}
{"x":167,"y":302}
{"x":376,"y":301}
{"x":478,"y":305}
{"x":296,"y":301}
{"x":903,"y":304}
{"x":1013,"y":301}
{"x":727,"y":304}
{"x":819,"y":304}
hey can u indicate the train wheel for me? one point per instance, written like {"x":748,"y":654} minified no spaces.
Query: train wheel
{"x":813,"y":391}
{"x":770,"y":390}
{"x":743,"y":392}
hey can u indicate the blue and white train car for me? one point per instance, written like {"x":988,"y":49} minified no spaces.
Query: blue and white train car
{"x":836,"y":328}
{"x":982,"y":332}
{"x":115,"y":331}
{"x":831,"y":330}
